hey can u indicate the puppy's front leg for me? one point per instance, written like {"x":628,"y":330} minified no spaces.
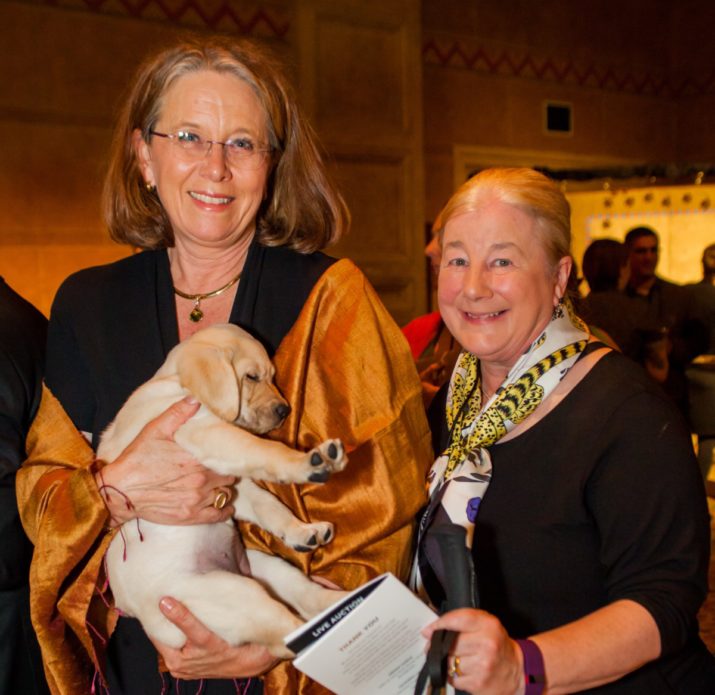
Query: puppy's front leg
{"x":230,"y":450}
{"x":255,"y":504}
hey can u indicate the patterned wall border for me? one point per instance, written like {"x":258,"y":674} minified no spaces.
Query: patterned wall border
{"x":233,"y":15}
{"x":449,"y":53}
{"x":218,"y":15}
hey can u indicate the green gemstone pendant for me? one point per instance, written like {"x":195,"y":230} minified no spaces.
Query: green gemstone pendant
{"x":196,"y":314}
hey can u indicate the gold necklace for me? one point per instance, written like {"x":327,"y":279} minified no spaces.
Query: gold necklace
{"x":196,"y":314}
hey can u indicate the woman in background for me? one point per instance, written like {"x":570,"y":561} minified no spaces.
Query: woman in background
{"x":607,"y":307}
{"x":433,"y":348}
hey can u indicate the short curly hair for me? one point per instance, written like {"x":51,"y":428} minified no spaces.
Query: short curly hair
{"x":303,"y":209}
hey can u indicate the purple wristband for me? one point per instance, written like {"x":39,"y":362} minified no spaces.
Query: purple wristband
{"x":534,"y":672}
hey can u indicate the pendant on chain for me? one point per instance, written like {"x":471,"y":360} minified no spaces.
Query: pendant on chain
{"x":196,"y":314}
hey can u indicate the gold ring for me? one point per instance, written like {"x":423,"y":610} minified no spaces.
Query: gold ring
{"x":454,"y":669}
{"x":221,"y":499}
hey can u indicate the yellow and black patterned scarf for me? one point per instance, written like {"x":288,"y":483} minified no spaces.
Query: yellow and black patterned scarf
{"x":459,"y":478}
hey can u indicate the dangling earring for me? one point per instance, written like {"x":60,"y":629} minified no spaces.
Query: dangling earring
{"x":558,"y":309}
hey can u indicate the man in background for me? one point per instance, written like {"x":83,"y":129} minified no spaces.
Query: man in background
{"x":701,"y":372}
{"x":23,"y":332}
{"x":702,"y":297}
{"x":671,"y":336}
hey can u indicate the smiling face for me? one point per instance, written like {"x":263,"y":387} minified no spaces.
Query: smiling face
{"x":207,"y":201}
{"x":497,"y":289}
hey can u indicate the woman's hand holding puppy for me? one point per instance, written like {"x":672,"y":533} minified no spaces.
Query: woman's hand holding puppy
{"x":155,"y":479}
{"x":205,"y":654}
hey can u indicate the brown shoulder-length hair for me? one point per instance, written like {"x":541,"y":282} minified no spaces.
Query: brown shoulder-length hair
{"x":302,"y":209}
{"x":602,"y":264}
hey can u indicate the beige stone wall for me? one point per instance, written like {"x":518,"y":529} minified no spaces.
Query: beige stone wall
{"x":693,"y":54}
{"x":638,"y":87}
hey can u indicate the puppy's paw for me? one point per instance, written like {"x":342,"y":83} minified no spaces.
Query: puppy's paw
{"x":328,"y":457}
{"x":307,"y":537}
{"x":334,"y":453}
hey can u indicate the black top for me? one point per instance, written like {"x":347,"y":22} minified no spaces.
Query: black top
{"x":701,"y":296}
{"x":111,"y":328}
{"x":599,"y":501}
{"x":669,"y":306}
{"x":22,"y":358}
{"x":622,"y":317}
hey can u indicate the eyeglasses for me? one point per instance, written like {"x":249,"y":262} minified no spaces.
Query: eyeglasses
{"x":241,"y":152}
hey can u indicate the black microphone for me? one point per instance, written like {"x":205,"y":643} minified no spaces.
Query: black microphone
{"x":460,"y":585}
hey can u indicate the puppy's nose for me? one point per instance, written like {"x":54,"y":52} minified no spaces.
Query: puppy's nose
{"x":282,"y":411}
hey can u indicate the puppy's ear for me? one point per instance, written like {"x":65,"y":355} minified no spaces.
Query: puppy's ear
{"x":207,"y":372}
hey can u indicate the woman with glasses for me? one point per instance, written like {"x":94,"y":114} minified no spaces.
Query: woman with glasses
{"x":216,"y":178}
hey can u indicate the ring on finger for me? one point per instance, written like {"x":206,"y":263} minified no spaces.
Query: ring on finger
{"x":221,"y":499}
{"x":454,"y":669}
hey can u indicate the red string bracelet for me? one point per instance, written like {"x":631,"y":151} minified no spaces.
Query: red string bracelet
{"x":104,"y":490}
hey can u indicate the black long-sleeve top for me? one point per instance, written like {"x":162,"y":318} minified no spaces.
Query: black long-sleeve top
{"x":23,"y":330}
{"x":601,"y":500}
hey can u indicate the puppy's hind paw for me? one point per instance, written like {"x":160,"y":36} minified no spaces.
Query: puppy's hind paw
{"x":307,"y":537}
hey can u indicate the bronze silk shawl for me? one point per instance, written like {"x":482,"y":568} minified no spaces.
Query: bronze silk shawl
{"x":347,"y":372}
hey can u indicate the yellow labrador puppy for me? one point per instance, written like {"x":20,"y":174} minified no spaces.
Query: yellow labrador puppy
{"x":229,"y":372}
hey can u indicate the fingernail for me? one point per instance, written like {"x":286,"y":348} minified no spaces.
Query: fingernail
{"x":191,"y":400}
{"x":167,"y":604}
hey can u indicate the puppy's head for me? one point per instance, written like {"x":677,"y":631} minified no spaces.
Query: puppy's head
{"x":228,"y":371}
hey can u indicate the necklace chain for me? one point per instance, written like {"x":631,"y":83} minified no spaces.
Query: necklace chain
{"x":196,"y":314}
